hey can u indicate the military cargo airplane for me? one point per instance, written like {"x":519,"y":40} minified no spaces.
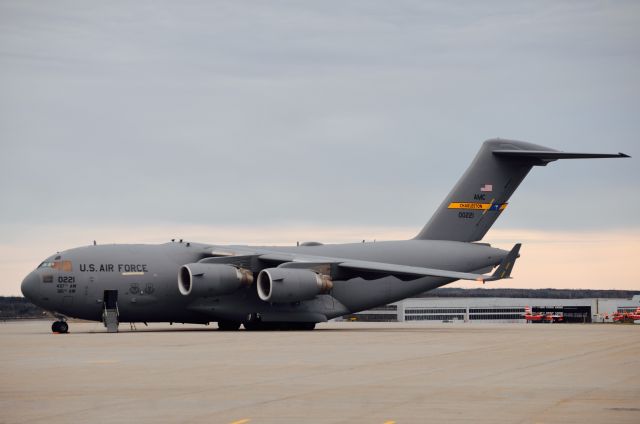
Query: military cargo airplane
{"x":267,"y":288}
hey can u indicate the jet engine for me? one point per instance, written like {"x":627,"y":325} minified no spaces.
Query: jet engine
{"x":277,"y":285}
{"x":203,"y":279}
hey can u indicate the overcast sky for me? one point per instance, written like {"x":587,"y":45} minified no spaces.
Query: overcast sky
{"x":143,"y":121}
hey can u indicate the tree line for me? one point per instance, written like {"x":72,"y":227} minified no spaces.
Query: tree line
{"x":17,"y":307}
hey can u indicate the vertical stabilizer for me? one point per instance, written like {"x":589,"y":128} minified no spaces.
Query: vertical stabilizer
{"x":482,"y":193}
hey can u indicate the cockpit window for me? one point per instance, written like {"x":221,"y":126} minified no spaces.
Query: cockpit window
{"x":64,"y":266}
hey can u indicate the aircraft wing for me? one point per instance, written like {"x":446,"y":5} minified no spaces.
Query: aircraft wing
{"x":356,"y":267}
{"x":404,"y":271}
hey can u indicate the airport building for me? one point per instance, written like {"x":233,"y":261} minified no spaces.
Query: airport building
{"x":497,"y":309}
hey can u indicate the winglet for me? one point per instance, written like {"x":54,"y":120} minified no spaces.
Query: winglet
{"x":506,"y":266}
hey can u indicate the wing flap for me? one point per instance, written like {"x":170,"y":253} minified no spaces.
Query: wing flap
{"x":404,"y":270}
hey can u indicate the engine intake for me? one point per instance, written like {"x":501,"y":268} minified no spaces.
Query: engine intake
{"x":278,"y":285}
{"x":202,"y":279}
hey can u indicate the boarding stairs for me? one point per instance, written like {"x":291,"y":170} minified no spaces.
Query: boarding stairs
{"x":110,"y":312}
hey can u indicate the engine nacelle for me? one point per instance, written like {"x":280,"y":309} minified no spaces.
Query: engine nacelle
{"x":278,"y":285}
{"x":203,"y":279}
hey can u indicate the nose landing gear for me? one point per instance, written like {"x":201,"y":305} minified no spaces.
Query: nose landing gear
{"x":60,"y":327}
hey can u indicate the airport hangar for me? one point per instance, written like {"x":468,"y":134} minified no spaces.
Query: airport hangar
{"x":496,"y":309}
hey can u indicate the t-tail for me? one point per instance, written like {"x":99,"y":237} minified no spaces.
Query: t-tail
{"x":482,"y":193}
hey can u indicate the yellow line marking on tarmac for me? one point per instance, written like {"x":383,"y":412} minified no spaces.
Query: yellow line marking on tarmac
{"x":389,"y":422}
{"x":246,"y":420}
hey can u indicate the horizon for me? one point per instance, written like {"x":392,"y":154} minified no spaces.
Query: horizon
{"x":544,"y":255}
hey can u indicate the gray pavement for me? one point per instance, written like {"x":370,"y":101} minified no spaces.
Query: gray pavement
{"x":340,"y":373}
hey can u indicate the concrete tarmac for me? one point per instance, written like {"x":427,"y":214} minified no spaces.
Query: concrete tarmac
{"x":339,"y":373}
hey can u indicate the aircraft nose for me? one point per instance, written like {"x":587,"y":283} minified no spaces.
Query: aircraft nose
{"x":29,"y":286}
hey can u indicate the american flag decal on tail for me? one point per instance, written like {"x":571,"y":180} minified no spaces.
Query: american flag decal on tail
{"x":487,"y":188}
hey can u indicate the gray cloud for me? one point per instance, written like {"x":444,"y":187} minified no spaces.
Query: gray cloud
{"x":310,"y":112}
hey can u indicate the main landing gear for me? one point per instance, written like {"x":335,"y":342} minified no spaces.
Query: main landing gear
{"x":255,"y":323}
{"x":60,"y":327}
{"x":279,"y":326}
{"x":228,"y":325}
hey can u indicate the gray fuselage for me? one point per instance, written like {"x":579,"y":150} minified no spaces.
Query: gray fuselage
{"x":145,"y":278}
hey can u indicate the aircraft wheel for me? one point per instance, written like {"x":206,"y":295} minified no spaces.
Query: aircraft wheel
{"x":295,"y":326}
{"x":228,"y":325}
{"x":303,"y":326}
{"x":60,"y":327}
{"x":252,"y":325}
{"x":258,"y":326}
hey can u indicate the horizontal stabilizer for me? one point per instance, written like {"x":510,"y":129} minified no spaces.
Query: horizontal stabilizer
{"x":547,"y":155}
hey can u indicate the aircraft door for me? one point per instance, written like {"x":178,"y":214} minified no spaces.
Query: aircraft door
{"x":90,"y":292}
{"x":111,"y":299}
